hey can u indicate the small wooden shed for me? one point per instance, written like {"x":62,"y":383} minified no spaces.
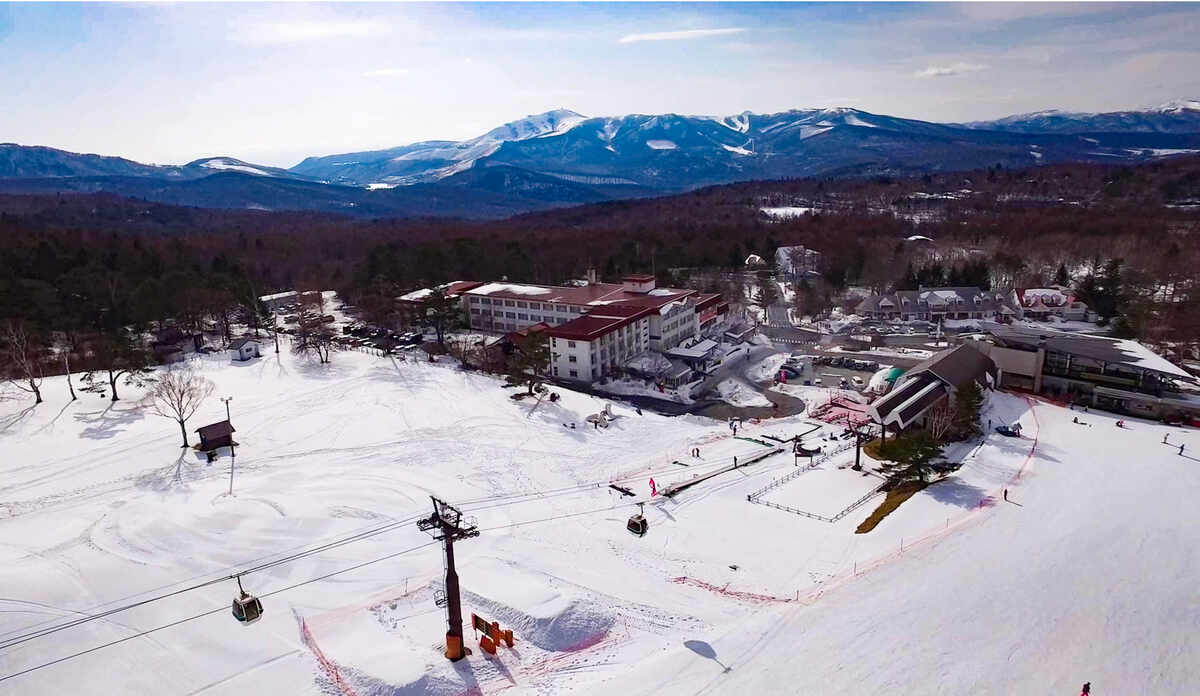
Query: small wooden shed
{"x":215,"y":436}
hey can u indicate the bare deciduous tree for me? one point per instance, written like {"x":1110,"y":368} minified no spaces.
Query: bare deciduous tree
{"x":178,"y":395}
{"x":63,"y":349}
{"x":22,"y":353}
{"x":941,"y":420}
{"x":314,"y":336}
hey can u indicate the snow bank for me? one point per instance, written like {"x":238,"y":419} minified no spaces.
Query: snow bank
{"x":737,"y":393}
{"x":543,"y":610}
{"x":767,"y":368}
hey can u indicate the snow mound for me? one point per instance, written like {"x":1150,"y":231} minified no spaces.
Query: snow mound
{"x":541,"y":609}
{"x":767,"y":368}
{"x":661,"y":145}
{"x":736,"y":393}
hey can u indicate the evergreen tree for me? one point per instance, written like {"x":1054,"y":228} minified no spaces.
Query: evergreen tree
{"x":767,"y":293}
{"x":911,"y":457}
{"x":530,"y":358}
{"x":116,"y":354}
{"x":443,"y":312}
{"x":967,"y":404}
{"x":909,"y":281}
{"x":1061,"y":277}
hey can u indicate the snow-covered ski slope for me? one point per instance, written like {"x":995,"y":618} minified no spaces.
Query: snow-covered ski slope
{"x":1089,"y":573}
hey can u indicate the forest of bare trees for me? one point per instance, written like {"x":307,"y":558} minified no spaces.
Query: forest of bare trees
{"x":92,"y":276}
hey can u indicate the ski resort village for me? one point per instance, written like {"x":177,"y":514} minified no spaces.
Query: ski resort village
{"x":601,"y":487}
{"x":828,"y":349}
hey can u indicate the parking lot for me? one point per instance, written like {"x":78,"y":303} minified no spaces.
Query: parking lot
{"x":831,"y":370}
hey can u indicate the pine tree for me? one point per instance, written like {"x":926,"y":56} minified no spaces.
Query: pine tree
{"x":1061,"y":277}
{"x":968,"y":402}
{"x":530,"y":358}
{"x":443,"y":311}
{"x":768,"y":292}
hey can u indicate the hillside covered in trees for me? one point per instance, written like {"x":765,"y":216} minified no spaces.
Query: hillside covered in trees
{"x":1125,"y":237}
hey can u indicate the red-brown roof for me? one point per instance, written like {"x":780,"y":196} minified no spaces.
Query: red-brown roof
{"x":532,"y":328}
{"x":599,"y":321}
{"x":596,"y":294}
{"x":706,"y":300}
{"x":638,"y":277}
{"x":458,"y":287}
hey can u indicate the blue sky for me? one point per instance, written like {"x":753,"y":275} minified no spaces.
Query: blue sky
{"x":271,"y":83}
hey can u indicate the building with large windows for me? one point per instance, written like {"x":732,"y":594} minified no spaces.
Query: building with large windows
{"x":1113,"y":374}
{"x":596,"y":328}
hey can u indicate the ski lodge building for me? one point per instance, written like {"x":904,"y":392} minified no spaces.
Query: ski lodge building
{"x":931,"y":382}
{"x":596,"y":328}
{"x":1117,"y":375}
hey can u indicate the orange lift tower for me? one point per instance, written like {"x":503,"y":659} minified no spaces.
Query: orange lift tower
{"x":447,"y":525}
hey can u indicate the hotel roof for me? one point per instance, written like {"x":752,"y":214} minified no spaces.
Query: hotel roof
{"x":581,"y":295}
{"x":599,"y":321}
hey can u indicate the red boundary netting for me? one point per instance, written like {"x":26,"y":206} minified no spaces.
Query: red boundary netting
{"x":327,"y":666}
{"x":907,"y":545}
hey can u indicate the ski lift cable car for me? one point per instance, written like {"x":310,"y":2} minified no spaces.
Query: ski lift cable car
{"x":246,"y":607}
{"x":637,"y":523}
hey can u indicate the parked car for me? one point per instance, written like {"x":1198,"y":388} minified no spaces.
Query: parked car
{"x":857,"y":381}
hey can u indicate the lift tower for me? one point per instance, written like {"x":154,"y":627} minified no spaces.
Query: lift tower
{"x":447,"y":525}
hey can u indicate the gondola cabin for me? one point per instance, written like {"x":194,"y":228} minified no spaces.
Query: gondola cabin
{"x":637,"y":524}
{"x":247,"y":609}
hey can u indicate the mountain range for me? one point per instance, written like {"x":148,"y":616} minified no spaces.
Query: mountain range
{"x":563,"y":158}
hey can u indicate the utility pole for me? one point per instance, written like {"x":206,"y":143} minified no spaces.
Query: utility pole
{"x":447,"y":525}
{"x":232,"y":459}
{"x":232,"y":446}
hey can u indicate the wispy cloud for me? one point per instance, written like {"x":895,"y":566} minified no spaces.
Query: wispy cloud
{"x":950,"y":70}
{"x":295,"y":32}
{"x":680,"y":35}
{"x":386,"y":72}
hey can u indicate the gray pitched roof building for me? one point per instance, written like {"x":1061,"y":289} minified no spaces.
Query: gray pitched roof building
{"x":929,"y":382}
{"x":931,"y":304}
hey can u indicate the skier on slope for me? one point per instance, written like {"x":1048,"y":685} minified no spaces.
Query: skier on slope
{"x":1087,"y":689}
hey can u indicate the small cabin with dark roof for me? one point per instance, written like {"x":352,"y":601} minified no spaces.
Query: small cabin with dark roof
{"x":215,"y":436}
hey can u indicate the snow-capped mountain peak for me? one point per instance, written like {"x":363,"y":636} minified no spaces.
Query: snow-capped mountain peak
{"x":1178,"y":105}
{"x":229,"y":164}
{"x":535,"y":126}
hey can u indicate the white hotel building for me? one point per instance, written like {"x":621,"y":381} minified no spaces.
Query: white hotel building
{"x":597,"y":327}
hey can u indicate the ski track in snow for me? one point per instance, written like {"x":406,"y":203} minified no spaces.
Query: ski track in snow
{"x":101,"y":509}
